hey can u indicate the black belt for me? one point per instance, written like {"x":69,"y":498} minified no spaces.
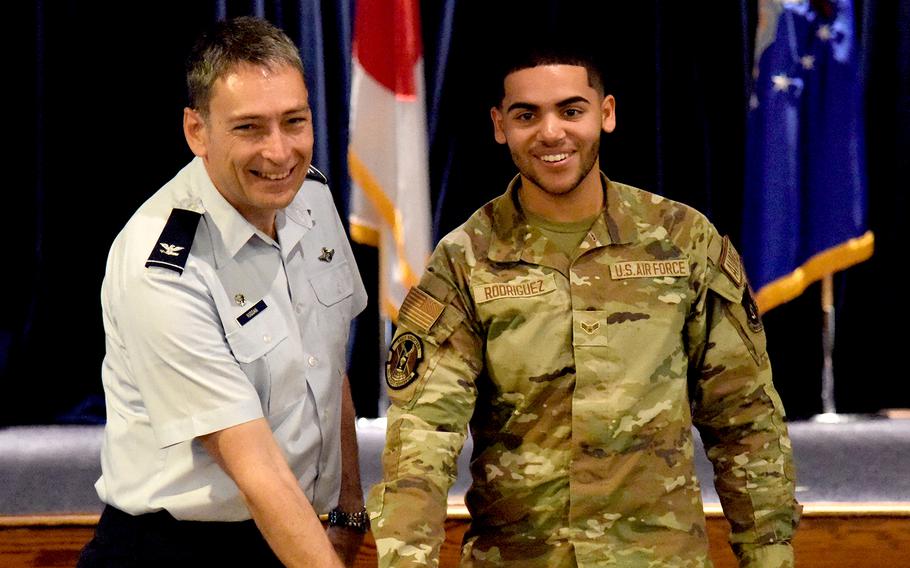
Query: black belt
{"x":158,"y":539}
{"x":163,"y":520}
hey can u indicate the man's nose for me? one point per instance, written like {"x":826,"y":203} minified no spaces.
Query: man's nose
{"x":276,"y":146}
{"x":551,"y":129}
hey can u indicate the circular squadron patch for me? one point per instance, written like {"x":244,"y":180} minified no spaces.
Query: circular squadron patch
{"x":405,"y":354}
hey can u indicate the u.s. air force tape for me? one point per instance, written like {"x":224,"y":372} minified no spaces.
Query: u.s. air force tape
{"x":649,"y":268}
{"x":405,"y":354}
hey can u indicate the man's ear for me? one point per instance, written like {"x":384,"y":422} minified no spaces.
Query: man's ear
{"x":608,"y":111}
{"x":498,"y":133}
{"x":195,"y":131}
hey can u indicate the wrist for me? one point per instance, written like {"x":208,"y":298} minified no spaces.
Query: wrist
{"x":358,"y":520}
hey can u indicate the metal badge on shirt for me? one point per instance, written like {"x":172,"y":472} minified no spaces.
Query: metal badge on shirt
{"x":327,"y":254}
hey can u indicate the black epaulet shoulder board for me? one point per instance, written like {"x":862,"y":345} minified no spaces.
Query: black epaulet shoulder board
{"x":314,"y":174}
{"x":172,"y":249}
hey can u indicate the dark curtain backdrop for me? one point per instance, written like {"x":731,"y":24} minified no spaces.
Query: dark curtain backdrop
{"x":97,"y":96}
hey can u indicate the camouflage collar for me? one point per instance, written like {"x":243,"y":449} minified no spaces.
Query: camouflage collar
{"x":513,"y":235}
{"x":619,"y":217}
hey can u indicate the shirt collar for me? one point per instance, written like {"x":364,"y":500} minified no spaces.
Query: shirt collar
{"x":235,"y":231}
{"x":294,"y":221}
{"x":617,"y":225}
{"x":514,"y":238}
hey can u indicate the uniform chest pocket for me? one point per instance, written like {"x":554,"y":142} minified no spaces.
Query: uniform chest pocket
{"x":528,"y":325}
{"x":259,"y":334}
{"x":329,"y":320}
{"x":333,"y":285}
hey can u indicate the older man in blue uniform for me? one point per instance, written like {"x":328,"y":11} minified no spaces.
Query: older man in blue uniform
{"x":227,"y":303}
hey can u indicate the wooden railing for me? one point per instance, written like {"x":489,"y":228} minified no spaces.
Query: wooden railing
{"x":872,"y":535}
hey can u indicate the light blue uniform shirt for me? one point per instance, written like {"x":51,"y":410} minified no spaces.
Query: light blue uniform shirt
{"x":180,"y":364}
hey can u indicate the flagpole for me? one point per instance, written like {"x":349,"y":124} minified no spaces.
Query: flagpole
{"x":829,"y":408}
{"x":828,"y":405}
{"x":829,"y":413}
{"x":388,"y":156}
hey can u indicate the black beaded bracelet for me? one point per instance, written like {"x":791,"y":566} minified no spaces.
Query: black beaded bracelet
{"x":359,"y":521}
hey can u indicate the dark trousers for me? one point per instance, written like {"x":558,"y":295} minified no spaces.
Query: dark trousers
{"x":159,"y":540}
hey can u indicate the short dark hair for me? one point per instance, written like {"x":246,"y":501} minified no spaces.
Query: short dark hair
{"x":229,"y":43}
{"x":549,"y":55}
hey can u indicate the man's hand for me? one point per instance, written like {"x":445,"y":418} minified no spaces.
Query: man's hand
{"x":346,"y":542}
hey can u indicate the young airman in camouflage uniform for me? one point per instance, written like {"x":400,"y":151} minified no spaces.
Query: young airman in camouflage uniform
{"x":581,"y":366}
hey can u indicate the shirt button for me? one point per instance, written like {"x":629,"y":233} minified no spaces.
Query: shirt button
{"x":312,"y":361}
{"x":299,"y":307}
{"x":267,"y":338}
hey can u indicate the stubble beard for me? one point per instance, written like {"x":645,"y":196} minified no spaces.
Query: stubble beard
{"x":584,"y":169}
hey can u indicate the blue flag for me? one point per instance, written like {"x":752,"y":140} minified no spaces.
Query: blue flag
{"x":805,"y":193}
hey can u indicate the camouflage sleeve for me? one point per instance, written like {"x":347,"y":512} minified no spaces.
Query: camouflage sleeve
{"x":433,"y":361}
{"x":739,"y":414}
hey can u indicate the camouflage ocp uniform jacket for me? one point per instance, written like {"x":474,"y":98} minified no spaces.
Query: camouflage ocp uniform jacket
{"x":581,"y":379}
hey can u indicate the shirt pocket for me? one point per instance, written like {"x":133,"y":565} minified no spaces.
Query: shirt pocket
{"x":527,"y":324}
{"x":253,"y":343}
{"x":258,"y":336}
{"x":632,"y":348}
{"x":333,"y":285}
{"x":330,"y":317}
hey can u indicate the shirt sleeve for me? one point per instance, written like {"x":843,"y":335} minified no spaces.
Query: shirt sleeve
{"x":177,"y":354}
{"x":427,"y":421}
{"x":740,"y":416}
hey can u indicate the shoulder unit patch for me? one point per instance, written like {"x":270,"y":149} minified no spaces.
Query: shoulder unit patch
{"x":752,"y":313}
{"x":405,"y":355}
{"x":172,"y":249}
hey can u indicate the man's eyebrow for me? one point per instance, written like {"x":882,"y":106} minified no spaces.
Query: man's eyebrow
{"x":244,"y":118}
{"x":572,"y":101}
{"x":254,"y":116}
{"x":520,"y":105}
{"x":303,"y":108}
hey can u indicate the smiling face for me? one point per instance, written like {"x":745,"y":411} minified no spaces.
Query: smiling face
{"x":256,"y":139}
{"x":551,"y":119}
